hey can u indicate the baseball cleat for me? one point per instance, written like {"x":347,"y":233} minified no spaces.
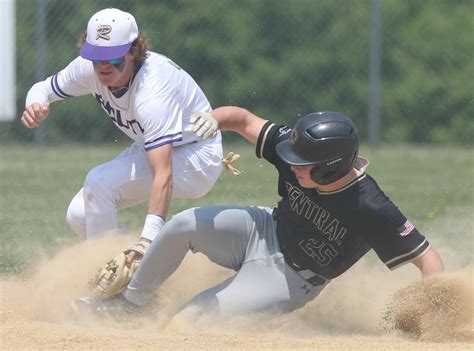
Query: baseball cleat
{"x":116,"y":307}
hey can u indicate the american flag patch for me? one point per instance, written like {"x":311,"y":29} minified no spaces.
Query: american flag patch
{"x":406,"y":229}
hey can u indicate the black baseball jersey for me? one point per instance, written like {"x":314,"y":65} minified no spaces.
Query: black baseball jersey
{"x":326,"y":233}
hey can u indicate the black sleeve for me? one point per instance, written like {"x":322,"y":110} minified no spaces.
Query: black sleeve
{"x":270,"y":135}
{"x":393,"y":237}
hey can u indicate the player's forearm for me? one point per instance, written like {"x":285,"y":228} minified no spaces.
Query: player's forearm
{"x":239,"y":120}
{"x":41,"y":92}
{"x":160,"y":194}
{"x":158,"y":205}
{"x":231,"y":118}
{"x":430,"y":263}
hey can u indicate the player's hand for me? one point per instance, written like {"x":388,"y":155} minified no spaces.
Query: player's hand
{"x":34,"y":114}
{"x":204,"y":125}
{"x":135,"y":252}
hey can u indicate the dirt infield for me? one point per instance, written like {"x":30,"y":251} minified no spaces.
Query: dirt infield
{"x":356,"y":311}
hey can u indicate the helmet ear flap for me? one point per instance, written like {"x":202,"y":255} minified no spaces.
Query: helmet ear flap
{"x":325,"y":173}
{"x":317,"y":175}
{"x":313,"y":173}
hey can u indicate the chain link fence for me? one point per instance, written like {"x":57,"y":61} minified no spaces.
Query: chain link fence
{"x":407,"y":65}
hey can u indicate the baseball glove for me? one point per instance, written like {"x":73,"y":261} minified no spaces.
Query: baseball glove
{"x":114,"y":277}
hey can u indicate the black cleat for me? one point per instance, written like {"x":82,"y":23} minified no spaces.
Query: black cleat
{"x":116,"y":307}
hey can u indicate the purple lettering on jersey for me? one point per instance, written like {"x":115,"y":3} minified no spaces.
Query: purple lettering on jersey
{"x":134,"y":122}
{"x":116,"y":117}
{"x":99,"y":99}
{"x":109,"y":109}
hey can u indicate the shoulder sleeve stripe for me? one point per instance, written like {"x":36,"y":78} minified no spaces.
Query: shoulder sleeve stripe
{"x":57,"y":90}
{"x":54,"y":87}
{"x":165,"y":137}
{"x":163,"y":142}
{"x":398,"y":261}
{"x":262,"y":138}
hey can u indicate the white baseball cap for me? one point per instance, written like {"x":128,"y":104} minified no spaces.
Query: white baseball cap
{"x":110,"y":33}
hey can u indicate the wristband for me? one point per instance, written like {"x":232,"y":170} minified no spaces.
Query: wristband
{"x":152,"y":226}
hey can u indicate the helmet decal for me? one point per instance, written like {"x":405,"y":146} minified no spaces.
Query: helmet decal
{"x":334,"y":161}
{"x":283,"y":130}
{"x":294,"y":136}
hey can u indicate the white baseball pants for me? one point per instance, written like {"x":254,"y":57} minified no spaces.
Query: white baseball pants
{"x":126,"y":181}
{"x":240,"y":238}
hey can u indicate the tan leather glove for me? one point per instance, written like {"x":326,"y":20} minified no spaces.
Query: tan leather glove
{"x":114,"y":277}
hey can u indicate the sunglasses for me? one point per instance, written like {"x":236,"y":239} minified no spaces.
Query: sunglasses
{"x":115,"y":62}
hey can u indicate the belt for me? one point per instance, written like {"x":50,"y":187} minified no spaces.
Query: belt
{"x":312,"y":278}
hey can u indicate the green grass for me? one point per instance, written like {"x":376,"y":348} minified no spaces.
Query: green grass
{"x":432,"y":185}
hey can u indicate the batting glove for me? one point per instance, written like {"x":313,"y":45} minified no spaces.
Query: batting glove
{"x":204,"y":125}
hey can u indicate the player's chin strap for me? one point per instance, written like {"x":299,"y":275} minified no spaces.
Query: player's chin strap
{"x":228,"y":161}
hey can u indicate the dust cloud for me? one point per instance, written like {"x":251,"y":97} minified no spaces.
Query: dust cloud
{"x":439,"y":308}
{"x":368,"y":300}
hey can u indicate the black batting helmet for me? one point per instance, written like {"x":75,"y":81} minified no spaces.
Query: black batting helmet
{"x":328,"y":140}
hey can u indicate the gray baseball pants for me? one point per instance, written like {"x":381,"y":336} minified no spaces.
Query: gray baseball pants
{"x":240,"y":238}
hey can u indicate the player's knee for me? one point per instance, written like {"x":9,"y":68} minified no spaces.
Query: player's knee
{"x":181,"y":223}
{"x":98,"y":190}
{"x":94,"y":181}
{"x":75,"y":217}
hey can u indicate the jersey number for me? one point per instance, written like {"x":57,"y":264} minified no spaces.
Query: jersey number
{"x":321,"y":252}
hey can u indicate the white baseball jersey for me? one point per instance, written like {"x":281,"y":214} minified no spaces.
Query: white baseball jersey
{"x":154,"y":111}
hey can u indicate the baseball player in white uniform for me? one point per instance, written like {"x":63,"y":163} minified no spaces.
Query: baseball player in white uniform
{"x":149,"y":98}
